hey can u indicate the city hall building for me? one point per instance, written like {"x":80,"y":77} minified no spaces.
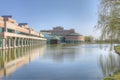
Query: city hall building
{"x":13,"y":34}
{"x":68,"y":36}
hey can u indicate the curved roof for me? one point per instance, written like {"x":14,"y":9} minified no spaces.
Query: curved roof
{"x":75,"y":34}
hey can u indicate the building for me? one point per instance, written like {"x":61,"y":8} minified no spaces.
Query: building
{"x":14,"y":35}
{"x":74,"y":38}
{"x":51,"y":39}
{"x":59,"y":31}
{"x":68,"y":36}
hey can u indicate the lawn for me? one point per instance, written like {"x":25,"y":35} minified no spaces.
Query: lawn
{"x":117,"y":49}
{"x":116,"y":76}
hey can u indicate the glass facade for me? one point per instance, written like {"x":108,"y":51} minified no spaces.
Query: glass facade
{"x":1,"y":29}
{"x":18,"y":32}
{"x":10,"y":30}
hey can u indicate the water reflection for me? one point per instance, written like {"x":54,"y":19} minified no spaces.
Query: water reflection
{"x":12,"y":59}
{"x":61,"y":53}
{"x":109,"y":63}
{"x":55,"y":62}
{"x":59,"y":62}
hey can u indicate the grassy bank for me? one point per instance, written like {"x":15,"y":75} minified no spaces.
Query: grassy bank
{"x":117,"y":49}
{"x":116,"y":76}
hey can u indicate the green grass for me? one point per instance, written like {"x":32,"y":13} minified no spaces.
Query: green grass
{"x":117,"y":49}
{"x":116,"y":76}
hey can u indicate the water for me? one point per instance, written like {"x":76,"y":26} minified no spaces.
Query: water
{"x":59,"y":62}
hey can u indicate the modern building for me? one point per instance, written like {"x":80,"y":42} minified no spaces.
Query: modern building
{"x":68,"y":36}
{"x":51,"y":39}
{"x":74,"y":38}
{"x":59,"y":31}
{"x":14,"y":35}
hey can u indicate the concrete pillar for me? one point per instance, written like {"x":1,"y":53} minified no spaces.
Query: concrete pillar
{"x":9,"y":43}
{"x":6,"y":43}
{"x":3,"y":43}
{"x":18,"y":42}
{"x":14,"y":42}
{"x":21,"y":42}
{"x":34,"y":42}
{"x":30,"y":42}
{"x":25,"y":42}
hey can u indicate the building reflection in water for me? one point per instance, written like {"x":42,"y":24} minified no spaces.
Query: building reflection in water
{"x":12,"y":59}
{"x":109,"y":63}
{"x":62,"y":53}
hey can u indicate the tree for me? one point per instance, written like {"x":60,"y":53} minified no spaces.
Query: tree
{"x":88,"y":39}
{"x":109,"y":19}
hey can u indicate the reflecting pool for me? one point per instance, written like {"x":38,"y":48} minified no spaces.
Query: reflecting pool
{"x":59,"y":62}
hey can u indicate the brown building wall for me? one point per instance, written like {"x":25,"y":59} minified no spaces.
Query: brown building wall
{"x":79,"y":38}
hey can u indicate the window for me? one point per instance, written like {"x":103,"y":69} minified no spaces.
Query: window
{"x":10,"y":30}
{"x":18,"y":32}
{"x":1,"y":29}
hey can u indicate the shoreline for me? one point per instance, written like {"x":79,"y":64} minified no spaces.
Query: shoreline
{"x":116,"y":75}
{"x":117,"y":49}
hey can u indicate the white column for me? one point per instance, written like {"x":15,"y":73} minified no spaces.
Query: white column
{"x":3,"y":43}
{"x":9,"y":45}
{"x":14,"y":42}
{"x":21,"y":42}
{"x":18,"y":42}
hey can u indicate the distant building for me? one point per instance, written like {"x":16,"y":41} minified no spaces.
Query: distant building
{"x":74,"y":38}
{"x":51,"y":39}
{"x":59,"y":31}
{"x":68,"y":36}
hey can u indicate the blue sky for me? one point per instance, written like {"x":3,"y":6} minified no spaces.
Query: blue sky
{"x":46,"y":14}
